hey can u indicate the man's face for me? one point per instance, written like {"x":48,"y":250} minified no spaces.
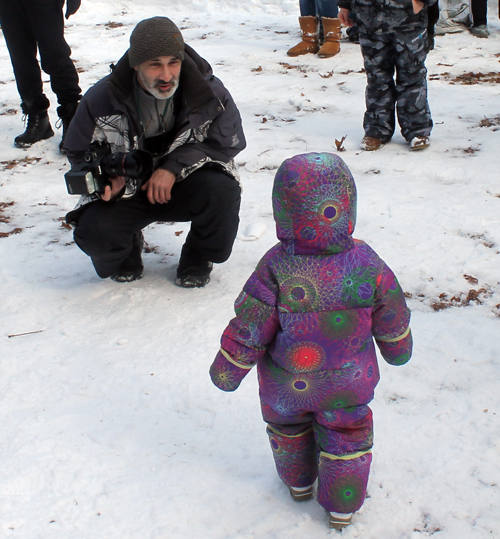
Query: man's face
{"x":160,"y":76}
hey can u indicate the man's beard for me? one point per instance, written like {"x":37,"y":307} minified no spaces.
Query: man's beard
{"x":152,"y":86}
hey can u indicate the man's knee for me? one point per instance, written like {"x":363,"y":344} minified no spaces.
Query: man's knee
{"x":219,"y":188}
{"x":94,"y":232}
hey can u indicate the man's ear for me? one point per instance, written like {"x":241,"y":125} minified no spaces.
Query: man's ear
{"x":136,"y":68}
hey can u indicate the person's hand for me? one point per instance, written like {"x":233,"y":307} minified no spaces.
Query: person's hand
{"x":417,"y":6}
{"x":72,"y":7}
{"x":117,"y":184}
{"x":159,"y":186}
{"x":344,"y":16}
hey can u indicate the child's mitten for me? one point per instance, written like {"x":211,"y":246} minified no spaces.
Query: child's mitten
{"x":226,"y":373}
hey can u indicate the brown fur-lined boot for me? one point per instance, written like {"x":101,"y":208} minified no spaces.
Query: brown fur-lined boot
{"x":309,"y":43}
{"x":331,"y":45}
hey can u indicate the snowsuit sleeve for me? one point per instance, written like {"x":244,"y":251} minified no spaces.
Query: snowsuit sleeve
{"x":247,"y":336}
{"x":391,"y":320}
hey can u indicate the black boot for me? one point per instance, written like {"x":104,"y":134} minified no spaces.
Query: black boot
{"x":38,"y":129}
{"x":65,"y":113}
{"x":193,"y":271}
{"x":132,"y":268}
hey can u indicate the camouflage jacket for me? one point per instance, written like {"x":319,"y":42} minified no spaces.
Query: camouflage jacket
{"x":385,"y":15}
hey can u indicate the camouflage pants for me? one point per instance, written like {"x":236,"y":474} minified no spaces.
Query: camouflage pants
{"x":403,"y":53}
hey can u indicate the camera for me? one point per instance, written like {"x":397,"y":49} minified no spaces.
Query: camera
{"x":101,"y":165}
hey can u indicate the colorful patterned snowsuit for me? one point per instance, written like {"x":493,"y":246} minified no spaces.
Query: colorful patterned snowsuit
{"x":306,"y":317}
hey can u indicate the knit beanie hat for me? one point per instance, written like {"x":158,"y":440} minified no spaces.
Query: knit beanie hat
{"x":157,"y":36}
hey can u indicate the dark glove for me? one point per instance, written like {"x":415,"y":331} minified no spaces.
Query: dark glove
{"x":72,"y":7}
{"x":225,"y":374}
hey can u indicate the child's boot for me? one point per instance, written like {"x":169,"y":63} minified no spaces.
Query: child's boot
{"x":339,"y":521}
{"x":331,"y":45}
{"x":301,"y":494}
{"x":309,"y":43}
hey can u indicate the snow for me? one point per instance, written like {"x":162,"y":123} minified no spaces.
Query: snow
{"x":110,"y":424}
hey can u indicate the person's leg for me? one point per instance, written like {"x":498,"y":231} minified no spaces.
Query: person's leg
{"x":307,"y":8}
{"x":210,"y":199}
{"x":479,"y":10}
{"x":432,"y":19}
{"x":294,"y":450}
{"x":21,"y":42}
{"x":47,"y":22}
{"x":344,"y":437}
{"x":105,"y":231}
{"x":327,"y":8}
{"x":380,"y":95}
{"x":413,"y":110}
{"x":289,"y":426}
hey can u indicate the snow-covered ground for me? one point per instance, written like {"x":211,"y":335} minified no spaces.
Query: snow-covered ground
{"x":110,"y":426}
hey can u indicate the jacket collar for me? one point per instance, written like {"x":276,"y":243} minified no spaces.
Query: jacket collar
{"x":193,"y":85}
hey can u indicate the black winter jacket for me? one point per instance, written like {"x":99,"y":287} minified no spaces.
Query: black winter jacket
{"x":207,"y":128}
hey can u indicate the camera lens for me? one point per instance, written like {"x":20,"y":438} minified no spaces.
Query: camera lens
{"x":133,"y":164}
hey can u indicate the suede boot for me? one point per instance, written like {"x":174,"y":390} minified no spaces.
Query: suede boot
{"x":309,"y":43}
{"x":331,"y":45}
{"x":38,"y":128}
{"x":65,"y":113}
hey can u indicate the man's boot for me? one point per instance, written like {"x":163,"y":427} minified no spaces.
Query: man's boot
{"x":38,"y":128}
{"x":309,"y":43}
{"x":65,"y":113}
{"x":331,"y":45}
{"x":193,"y":271}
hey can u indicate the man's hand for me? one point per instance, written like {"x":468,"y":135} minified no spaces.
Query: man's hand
{"x":417,"y":6}
{"x":72,"y":7}
{"x":344,"y":16}
{"x":159,"y":186}
{"x":117,"y":184}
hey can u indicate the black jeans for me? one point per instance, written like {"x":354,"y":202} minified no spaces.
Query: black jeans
{"x":29,"y":25}
{"x":208,"y":198}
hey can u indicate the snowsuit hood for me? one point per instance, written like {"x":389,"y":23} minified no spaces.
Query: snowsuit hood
{"x":314,"y":204}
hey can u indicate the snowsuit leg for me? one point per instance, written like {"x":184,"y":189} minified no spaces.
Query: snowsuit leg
{"x":404,"y":52}
{"x":334,"y":446}
{"x":317,"y":427}
{"x":345,"y":438}
{"x":295,"y":453}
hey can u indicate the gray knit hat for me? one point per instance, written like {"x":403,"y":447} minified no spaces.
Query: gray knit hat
{"x":157,"y":36}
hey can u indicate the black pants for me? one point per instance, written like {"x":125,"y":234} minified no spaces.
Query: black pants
{"x":208,"y":198}
{"x":29,"y":25}
{"x":479,"y":9}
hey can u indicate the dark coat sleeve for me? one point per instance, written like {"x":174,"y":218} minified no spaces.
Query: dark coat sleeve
{"x":82,"y":127}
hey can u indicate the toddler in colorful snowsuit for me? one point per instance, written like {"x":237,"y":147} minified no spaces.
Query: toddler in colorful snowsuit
{"x":307,"y":317}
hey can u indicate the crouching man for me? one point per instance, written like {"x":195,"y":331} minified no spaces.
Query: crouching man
{"x":163,"y":98}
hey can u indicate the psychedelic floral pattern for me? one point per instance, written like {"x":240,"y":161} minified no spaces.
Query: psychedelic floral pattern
{"x":308,"y":316}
